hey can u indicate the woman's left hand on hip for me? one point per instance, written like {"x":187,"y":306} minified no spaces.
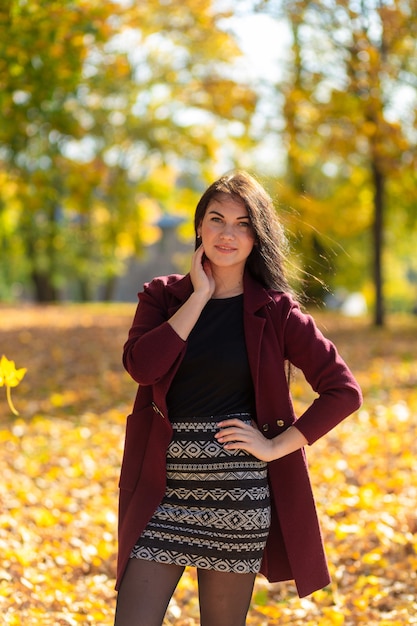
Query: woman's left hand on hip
{"x":237,"y":435}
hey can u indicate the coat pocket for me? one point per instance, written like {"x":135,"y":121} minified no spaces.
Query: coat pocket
{"x":138,"y":428}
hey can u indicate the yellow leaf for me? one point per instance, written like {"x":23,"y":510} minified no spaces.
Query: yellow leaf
{"x":9,"y":375}
{"x":334,"y":616}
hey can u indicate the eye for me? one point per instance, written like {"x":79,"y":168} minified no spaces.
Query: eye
{"x":214,"y":218}
{"x":244,"y":224}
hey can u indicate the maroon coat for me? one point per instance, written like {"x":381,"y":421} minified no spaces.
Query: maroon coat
{"x":275,"y":330}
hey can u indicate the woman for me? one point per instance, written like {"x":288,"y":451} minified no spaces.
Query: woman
{"x":214,"y":473}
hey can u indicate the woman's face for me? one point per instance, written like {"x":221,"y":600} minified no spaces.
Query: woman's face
{"x":226,"y":232}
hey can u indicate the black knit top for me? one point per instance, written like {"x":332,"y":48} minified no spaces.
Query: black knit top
{"x":214,"y":377}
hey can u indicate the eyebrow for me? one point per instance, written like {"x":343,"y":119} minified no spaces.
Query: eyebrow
{"x":244,"y":217}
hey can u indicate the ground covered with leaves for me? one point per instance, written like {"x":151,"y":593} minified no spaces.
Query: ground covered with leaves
{"x":60,"y":460}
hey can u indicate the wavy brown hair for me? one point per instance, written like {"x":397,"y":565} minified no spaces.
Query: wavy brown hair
{"x":266,"y":261}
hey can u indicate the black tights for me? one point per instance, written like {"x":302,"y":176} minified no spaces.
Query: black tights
{"x":147,"y":588}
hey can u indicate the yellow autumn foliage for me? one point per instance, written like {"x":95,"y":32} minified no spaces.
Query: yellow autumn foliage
{"x":60,"y":462}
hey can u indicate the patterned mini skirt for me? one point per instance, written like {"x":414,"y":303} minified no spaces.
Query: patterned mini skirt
{"x":216,"y":510}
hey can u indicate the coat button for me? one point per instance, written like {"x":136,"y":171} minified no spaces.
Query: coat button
{"x":265,"y":428}
{"x":280,"y":423}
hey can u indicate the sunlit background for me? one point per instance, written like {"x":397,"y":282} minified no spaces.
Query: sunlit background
{"x":114,"y":117}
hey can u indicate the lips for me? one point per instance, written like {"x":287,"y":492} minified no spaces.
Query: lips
{"x":225,"y":249}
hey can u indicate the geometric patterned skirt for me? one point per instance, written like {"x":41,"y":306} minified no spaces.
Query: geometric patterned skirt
{"x":216,"y":510}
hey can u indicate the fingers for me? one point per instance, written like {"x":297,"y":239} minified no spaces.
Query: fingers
{"x":237,"y":423}
{"x":235,"y":431}
{"x":236,"y":435}
{"x":201,"y":275}
{"x":197,"y":257}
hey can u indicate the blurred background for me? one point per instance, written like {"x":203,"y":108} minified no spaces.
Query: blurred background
{"x":115,"y":116}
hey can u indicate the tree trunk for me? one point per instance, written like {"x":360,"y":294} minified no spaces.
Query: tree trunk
{"x":45,"y":291}
{"x":109,"y":289}
{"x":39,"y":241}
{"x":378,"y":240}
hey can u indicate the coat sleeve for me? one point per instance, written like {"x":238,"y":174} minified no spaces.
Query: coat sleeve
{"x":153,"y":346}
{"x":339,"y":394}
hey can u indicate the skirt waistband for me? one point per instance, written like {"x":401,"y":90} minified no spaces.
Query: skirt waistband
{"x":218,"y":418}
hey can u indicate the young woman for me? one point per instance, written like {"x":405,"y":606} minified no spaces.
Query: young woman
{"x":214,"y":473}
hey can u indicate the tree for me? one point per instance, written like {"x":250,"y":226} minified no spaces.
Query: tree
{"x":349,"y":136}
{"x":96,"y":101}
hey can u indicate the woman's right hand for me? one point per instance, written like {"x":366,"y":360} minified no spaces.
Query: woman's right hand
{"x":201,"y":274}
{"x":185,"y":318}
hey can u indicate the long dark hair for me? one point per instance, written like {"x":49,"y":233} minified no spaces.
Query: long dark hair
{"x":267,"y":259}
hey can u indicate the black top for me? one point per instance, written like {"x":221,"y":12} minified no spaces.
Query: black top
{"x":214,"y":377}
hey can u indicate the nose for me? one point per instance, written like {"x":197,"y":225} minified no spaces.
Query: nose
{"x":227,"y":232}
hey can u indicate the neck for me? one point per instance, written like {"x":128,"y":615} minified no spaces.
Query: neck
{"x":228,"y":285}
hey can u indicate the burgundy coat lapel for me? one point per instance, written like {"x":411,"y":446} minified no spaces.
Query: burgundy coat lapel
{"x":255,"y":297}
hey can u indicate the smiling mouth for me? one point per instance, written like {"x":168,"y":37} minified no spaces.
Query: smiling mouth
{"x":225,"y":249}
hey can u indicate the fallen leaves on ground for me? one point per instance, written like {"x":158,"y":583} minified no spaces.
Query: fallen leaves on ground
{"x":60,"y":461}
